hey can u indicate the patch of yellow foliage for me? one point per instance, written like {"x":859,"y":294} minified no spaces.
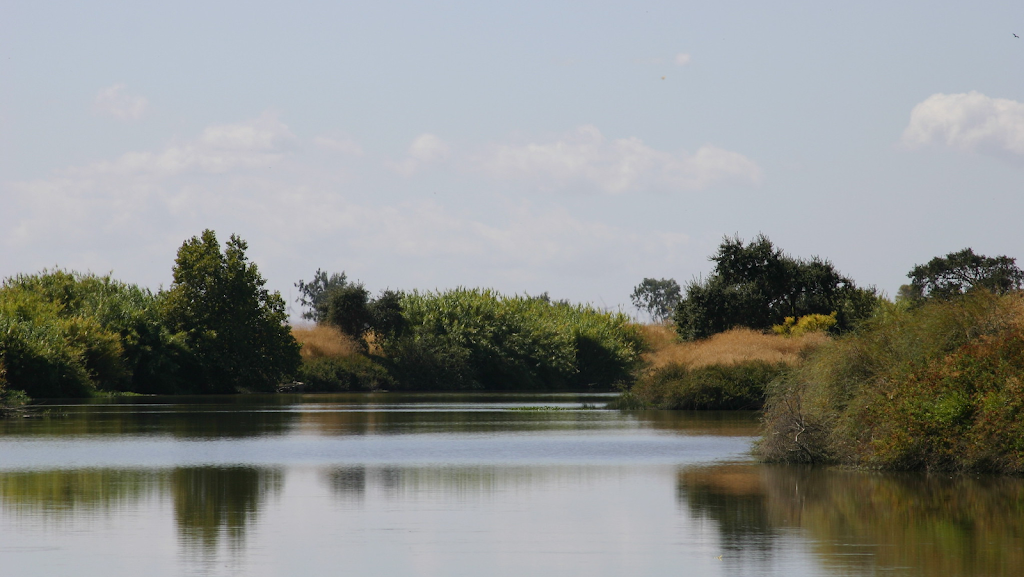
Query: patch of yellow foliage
{"x":728,"y":348}
{"x":324,"y":341}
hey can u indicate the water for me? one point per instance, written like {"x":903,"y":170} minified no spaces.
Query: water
{"x":453,"y":485}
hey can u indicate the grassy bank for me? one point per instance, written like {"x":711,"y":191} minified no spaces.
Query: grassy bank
{"x":730,"y":370}
{"x":333,"y":362}
{"x":938,"y":386}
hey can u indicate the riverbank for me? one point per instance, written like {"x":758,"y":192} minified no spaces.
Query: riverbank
{"x":937,"y":386}
{"x":728,"y":371}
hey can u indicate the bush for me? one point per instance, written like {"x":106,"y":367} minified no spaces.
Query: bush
{"x":43,"y":353}
{"x":352,"y":373}
{"x":740,"y":386}
{"x":932,"y":387}
{"x":793,"y":327}
{"x":472,"y":338}
{"x":124,"y":345}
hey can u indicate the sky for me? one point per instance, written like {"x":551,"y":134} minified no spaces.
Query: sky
{"x":573,"y":148}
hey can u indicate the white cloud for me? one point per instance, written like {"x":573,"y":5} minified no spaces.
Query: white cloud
{"x":615,"y":166}
{"x":130,"y":213}
{"x":682,"y":59}
{"x":221,"y":148}
{"x":426,"y":149}
{"x":115,"y":102}
{"x":970,"y":121}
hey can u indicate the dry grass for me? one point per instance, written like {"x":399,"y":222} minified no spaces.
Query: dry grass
{"x":324,"y":341}
{"x":728,"y":348}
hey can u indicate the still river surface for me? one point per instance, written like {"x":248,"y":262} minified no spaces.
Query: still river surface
{"x":448,"y":485}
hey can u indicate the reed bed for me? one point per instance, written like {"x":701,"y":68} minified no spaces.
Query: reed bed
{"x":319,"y":341}
{"x":732,"y":347}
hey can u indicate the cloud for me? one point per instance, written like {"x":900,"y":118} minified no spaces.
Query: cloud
{"x":971,"y":122}
{"x":255,"y":143}
{"x":682,"y":59}
{"x":425,"y":149}
{"x":586,"y":157}
{"x":129,"y":214}
{"x":115,"y":102}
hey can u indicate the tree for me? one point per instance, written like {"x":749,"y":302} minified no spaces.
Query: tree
{"x":348,"y":309}
{"x":353,"y":311}
{"x":961,"y":272}
{"x":757,"y":285}
{"x":315,"y":294}
{"x":658,"y":297}
{"x":234,"y":326}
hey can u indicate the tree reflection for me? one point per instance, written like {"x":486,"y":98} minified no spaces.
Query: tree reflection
{"x":211,"y":502}
{"x":347,"y":482}
{"x":914,"y":524}
{"x":64,"y":492}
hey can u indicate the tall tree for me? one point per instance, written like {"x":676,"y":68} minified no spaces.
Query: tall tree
{"x":757,"y":285}
{"x":658,"y":297}
{"x":960,"y":272}
{"x":233,"y":325}
{"x":315,"y":294}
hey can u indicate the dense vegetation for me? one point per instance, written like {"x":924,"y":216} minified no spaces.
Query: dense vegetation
{"x":731,"y":370}
{"x":67,"y":334}
{"x":470,"y":339}
{"x":757,"y":285}
{"x":933,"y":386}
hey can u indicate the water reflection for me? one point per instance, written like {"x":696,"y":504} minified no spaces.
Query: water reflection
{"x":211,"y":502}
{"x":863,"y":522}
{"x":351,"y":414}
{"x":58,"y":494}
{"x":175,"y":420}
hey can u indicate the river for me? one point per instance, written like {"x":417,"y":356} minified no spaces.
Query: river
{"x":475,"y":484}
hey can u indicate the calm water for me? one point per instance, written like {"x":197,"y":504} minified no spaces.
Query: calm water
{"x":452,"y":485}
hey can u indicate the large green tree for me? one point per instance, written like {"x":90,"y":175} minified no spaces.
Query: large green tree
{"x":757,"y":285}
{"x":234,"y":326}
{"x":960,"y":272}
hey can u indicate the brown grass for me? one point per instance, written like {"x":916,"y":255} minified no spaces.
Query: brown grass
{"x":728,"y":348}
{"x":324,"y":341}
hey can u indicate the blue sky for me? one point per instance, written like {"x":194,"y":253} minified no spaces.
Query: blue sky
{"x":567,"y":147}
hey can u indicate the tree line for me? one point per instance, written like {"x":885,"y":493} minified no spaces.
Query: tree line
{"x":757,"y":285}
{"x":218,"y":329}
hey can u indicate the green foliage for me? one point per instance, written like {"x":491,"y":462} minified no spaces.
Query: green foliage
{"x":234,"y":326}
{"x":757,"y":285}
{"x":352,"y":373}
{"x":930,"y":387}
{"x":54,"y":339}
{"x":740,"y":386}
{"x":471,"y":338}
{"x":793,"y":327}
{"x":314,"y":295}
{"x":348,"y":309}
{"x":131,"y":350}
{"x":960,"y":272}
{"x":658,"y":297}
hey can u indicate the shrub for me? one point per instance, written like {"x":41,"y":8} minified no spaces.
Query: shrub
{"x":114,"y":328}
{"x":815,"y":323}
{"x":931,"y":387}
{"x":715,"y":387}
{"x":351,"y":373}
{"x":472,"y":338}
